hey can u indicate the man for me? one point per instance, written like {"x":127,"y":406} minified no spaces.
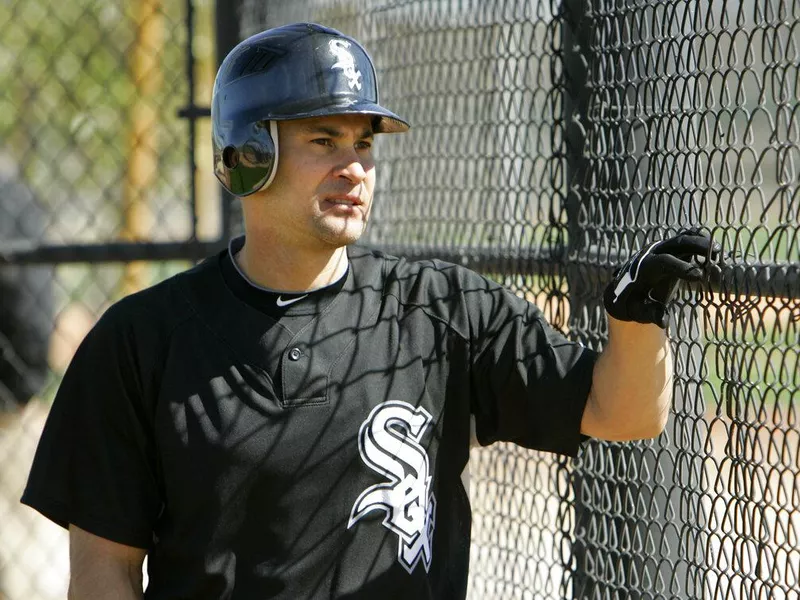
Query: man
{"x":290,"y":419}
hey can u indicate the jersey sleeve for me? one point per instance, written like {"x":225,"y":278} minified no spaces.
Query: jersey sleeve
{"x":529,"y":382}
{"x":95,"y":464}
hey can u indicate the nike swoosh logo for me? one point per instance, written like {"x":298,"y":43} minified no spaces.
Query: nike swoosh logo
{"x":281,"y":303}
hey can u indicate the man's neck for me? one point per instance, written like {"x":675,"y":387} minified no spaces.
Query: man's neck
{"x":290,"y":270}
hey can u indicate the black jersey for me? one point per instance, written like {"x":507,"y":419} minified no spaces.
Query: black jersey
{"x":314,"y":456}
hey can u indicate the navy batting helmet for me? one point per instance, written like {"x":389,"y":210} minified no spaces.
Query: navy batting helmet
{"x":291,"y":72}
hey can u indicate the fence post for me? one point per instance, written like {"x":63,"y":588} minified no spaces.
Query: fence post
{"x":604,"y":167}
{"x":575,"y":47}
{"x":141,"y":171}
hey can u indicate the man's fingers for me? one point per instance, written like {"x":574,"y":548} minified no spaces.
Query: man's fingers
{"x":689,"y":244}
{"x":662,"y":266}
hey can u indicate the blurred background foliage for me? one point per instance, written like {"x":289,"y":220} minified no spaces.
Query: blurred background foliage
{"x":75,"y":77}
{"x":89,"y":96}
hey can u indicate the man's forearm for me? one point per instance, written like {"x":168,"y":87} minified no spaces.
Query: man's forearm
{"x":632,"y":384}
{"x":101,"y":569}
{"x":106,"y":583}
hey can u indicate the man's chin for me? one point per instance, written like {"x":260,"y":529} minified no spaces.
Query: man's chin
{"x":343,"y":236}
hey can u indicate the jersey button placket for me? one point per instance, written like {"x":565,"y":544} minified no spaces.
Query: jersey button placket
{"x":305,"y":374}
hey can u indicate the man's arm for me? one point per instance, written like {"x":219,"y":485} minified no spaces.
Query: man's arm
{"x":631,"y":389}
{"x":103,"y":570}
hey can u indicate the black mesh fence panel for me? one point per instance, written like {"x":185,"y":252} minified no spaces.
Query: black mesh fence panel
{"x":551,"y":139}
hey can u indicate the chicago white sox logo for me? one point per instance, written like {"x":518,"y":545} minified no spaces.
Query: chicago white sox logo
{"x":346,"y":62}
{"x":389,"y":444}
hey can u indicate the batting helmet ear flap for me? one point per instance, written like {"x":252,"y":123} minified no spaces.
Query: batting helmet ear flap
{"x":246,"y":158}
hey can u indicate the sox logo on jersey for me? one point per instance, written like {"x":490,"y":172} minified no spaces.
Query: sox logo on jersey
{"x":345,"y":62}
{"x":389,"y":444}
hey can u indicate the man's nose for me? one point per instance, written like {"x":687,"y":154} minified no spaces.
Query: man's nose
{"x":352,"y":167}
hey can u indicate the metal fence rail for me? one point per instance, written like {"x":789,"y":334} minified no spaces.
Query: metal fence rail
{"x":549,"y":140}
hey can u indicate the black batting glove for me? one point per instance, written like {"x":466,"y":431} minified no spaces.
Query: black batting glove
{"x":643,"y":287}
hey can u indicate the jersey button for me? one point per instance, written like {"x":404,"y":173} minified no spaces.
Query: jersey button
{"x":295,"y":354}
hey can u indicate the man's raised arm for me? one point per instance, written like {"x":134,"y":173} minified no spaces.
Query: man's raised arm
{"x":631,"y":390}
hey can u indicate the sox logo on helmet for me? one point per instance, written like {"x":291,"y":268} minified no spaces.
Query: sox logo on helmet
{"x":346,"y":62}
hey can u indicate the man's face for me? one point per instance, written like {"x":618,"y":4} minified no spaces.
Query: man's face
{"x":322,"y":193}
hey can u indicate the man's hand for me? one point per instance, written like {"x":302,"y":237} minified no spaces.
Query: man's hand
{"x":643,"y":287}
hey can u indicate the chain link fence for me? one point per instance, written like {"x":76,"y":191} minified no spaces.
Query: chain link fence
{"x":549,"y":140}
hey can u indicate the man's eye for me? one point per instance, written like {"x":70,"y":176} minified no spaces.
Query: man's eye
{"x":323,"y":141}
{"x":364,"y":145}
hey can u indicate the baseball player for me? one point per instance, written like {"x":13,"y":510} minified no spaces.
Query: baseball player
{"x":290,"y":419}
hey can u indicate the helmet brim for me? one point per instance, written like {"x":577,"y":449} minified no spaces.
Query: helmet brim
{"x":388,"y":122}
